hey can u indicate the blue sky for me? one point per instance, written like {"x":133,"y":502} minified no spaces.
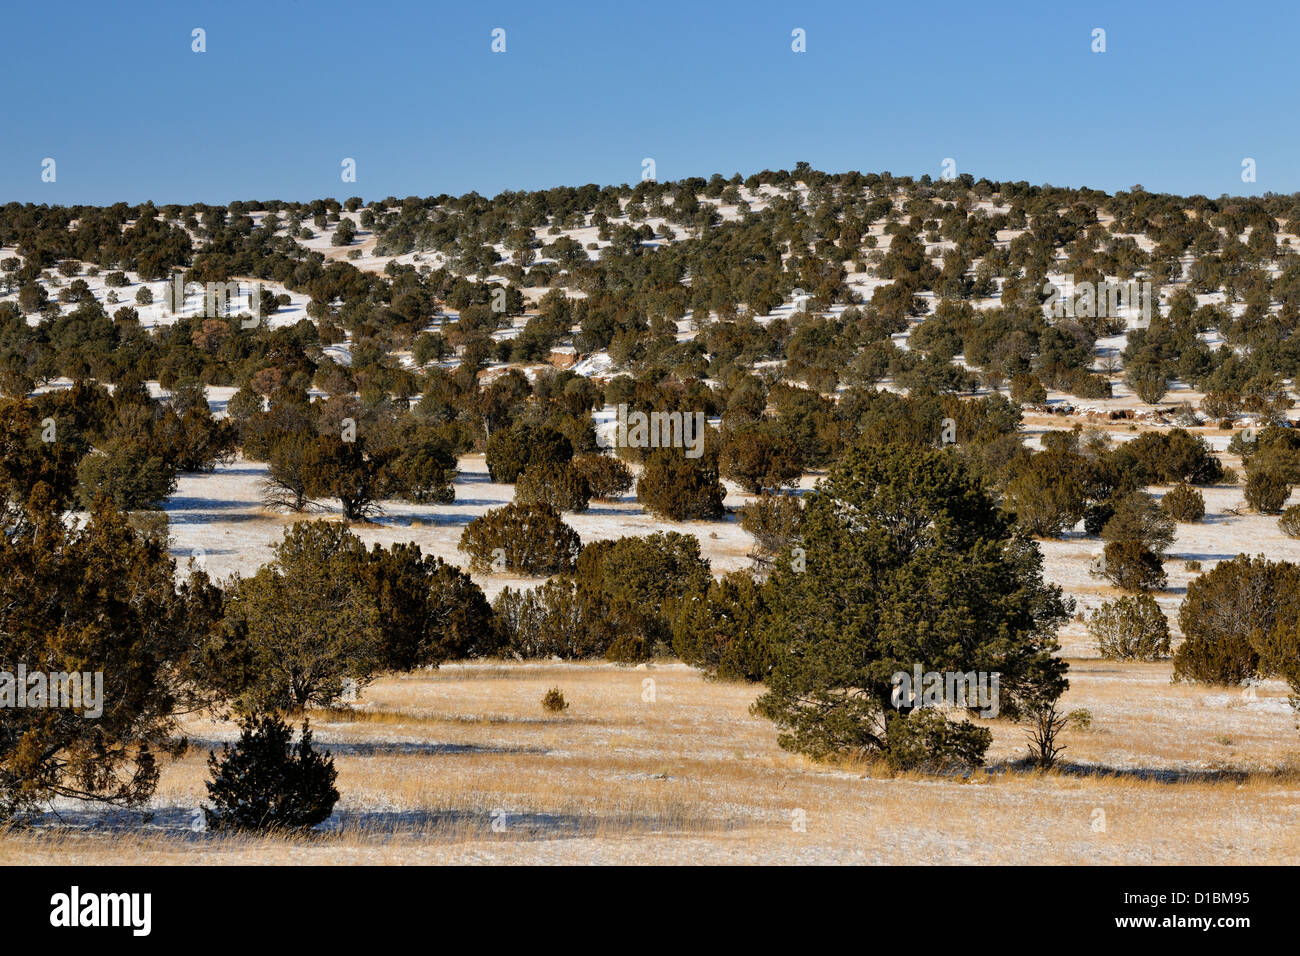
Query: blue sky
{"x":413,"y":92}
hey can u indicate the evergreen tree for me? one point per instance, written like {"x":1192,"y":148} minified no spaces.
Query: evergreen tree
{"x":267,"y":783}
{"x":529,"y":539}
{"x":678,"y":488}
{"x":906,"y":561}
{"x":301,"y":625}
{"x":96,"y":597}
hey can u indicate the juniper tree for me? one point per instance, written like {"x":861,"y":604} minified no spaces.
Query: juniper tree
{"x":678,"y":488}
{"x":287,"y":473}
{"x":129,"y":474}
{"x":1130,"y":628}
{"x":1138,"y":518}
{"x":1183,"y":503}
{"x":607,"y":477}
{"x":632,"y":589}
{"x":774,"y":521}
{"x":530,"y":539}
{"x":97,"y":597}
{"x":349,"y":472}
{"x":906,"y":560}
{"x":427,"y":611}
{"x":758,"y":457}
{"x":301,"y":625}
{"x":423,"y":472}
{"x":718,"y":630}
{"x":1231,"y":618}
{"x":510,"y":451}
{"x":559,"y":486}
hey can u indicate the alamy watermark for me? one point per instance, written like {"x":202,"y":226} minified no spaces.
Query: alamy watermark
{"x":1098,"y":300}
{"x":972,"y":690}
{"x":662,"y":430}
{"x":216,"y":300}
{"x":24,"y":689}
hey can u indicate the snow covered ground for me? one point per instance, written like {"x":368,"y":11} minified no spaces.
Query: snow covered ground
{"x":218,"y":520}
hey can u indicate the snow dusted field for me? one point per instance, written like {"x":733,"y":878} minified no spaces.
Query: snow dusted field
{"x":462,"y":765}
{"x":218,"y":521}
{"x":655,"y":765}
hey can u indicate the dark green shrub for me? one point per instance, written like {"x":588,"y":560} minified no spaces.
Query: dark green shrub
{"x":559,"y":486}
{"x":1228,"y":660}
{"x":130,"y":475}
{"x":1183,"y":503}
{"x":718,"y":631}
{"x":1267,"y":491}
{"x":759,"y":457}
{"x":632,"y":589}
{"x":423,"y":473}
{"x":1130,"y":628}
{"x":1046,"y":495}
{"x":429,"y":611}
{"x":1027,"y":390}
{"x":510,"y":451}
{"x":1169,"y":458}
{"x":608,"y":477}
{"x":267,"y":783}
{"x":678,"y":488}
{"x":1230,"y":617}
{"x":1132,"y":566}
{"x":526,"y":539}
{"x":1138,"y":518}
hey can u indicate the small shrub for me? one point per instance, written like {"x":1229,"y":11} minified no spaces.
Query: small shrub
{"x":1289,"y":523}
{"x":560,"y":486}
{"x":1130,"y":628}
{"x":554,"y":702}
{"x":530,"y":539}
{"x":1027,"y":390}
{"x":1046,"y":723}
{"x":1131,"y":566}
{"x":1267,"y":491}
{"x":1193,"y":567}
{"x":1183,"y":503}
{"x":607,"y":477}
{"x":267,"y":783}
{"x":773,"y":520}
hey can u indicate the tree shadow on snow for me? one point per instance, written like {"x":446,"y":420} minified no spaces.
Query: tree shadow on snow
{"x":188,"y":824}
{"x":1152,"y":774}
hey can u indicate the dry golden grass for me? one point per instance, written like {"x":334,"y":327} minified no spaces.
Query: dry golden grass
{"x":464,"y":765}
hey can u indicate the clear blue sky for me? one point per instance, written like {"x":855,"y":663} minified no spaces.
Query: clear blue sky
{"x":413,"y":92}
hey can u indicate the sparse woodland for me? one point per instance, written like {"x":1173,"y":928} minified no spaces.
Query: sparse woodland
{"x":886,"y":336}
